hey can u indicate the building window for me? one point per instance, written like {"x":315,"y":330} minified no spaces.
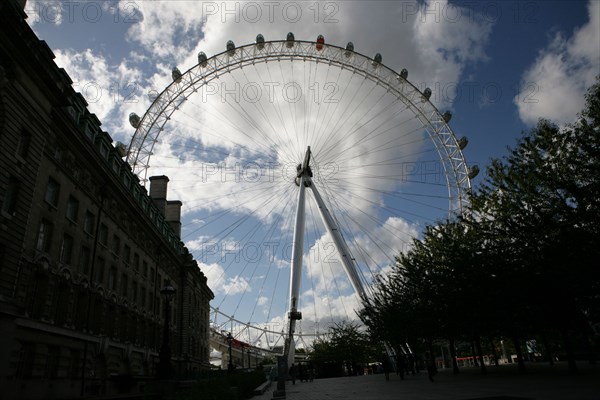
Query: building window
{"x":81,"y":310}
{"x":136,"y":262}
{"x":103,"y":235}
{"x":110,"y":321}
{"x":63,"y":294}
{"x":124,"y":282}
{"x":112,"y":278}
{"x":143,"y":297}
{"x":134,"y":292}
{"x":89,"y":223}
{"x":66,"y":249}
{"x":126,"y":254}
{"x":100,"y":265}
{"x":150,"y":298}
{"x":72,"y":209}
{"x":57,"y":154}
{"x":38,"y":295}
{"x":24,"y":144}
{"x":9,"y":205}
{"x":52,"y":191}
{"x":84,"y":260}
{"x":116,"y":247}
{"x":52,"y":362}
{"x":26,"y":358}
{"x":97,"y":322}
{"x":145,"y":268}
{"x":44,"y":236}
{"x":104,"y":150}
{"x":75,"y":364}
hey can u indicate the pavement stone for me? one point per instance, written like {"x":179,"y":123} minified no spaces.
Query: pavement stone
{"x":541,"y":382}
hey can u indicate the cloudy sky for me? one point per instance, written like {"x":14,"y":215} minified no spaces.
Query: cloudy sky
{"x":231,"y":148}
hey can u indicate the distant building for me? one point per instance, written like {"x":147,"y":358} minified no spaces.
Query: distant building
{"x":84,"y":249}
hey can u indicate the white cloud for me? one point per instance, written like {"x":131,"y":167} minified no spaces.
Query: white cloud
{"x":263,"y":300}
{"x":214,"y":274}
{"x":110,"y":89}
{"x":208,"y":137}
{"x":553,"y":87}
{"x":447,"y":38}
{"x":235,"y":285}
{"x":46,"y":11}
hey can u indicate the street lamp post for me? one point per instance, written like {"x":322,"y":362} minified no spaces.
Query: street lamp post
{"x":164,"y":356}
{"x":229,"y":341}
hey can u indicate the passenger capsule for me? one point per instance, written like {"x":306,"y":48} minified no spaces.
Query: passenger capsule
{"x":320,"y":42}
{"x":121,"y":149}
{"x":447,"y":116}
{"x":230,"y":47}
{"x":473,"y":171}
{"x":404,"y":73}
{"x":134,"y":120}
{"x":290,"y":39}
{"x":427,"y":93}
{"x":349,"y":49}
{"x":176,"y":74}
{"x":463,"y":142}
{"x":260,"y":41}
{"x":202,"y":59}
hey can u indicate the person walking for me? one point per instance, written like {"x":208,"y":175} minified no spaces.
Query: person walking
{"x":293,"y":373}
{"x":431,"y":368}
{"x":386,"y":366}
{"x":400,"y":365}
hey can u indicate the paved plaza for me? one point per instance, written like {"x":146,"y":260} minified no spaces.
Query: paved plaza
{"x":501,"y":383}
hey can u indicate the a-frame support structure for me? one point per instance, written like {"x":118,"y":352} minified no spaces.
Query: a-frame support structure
{"x":304,"y":181}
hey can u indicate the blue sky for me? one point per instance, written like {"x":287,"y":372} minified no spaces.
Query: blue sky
{"x":497,"y":65}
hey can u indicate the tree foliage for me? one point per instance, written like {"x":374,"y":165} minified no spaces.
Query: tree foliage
{"x":522,"y":262}
{"x":346,"y":344}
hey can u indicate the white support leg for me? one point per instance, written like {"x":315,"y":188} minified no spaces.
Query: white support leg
{"x":296,"y":268}
{"x":347,"y":260}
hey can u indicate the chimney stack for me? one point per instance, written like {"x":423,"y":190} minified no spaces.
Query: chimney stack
{"x":158,"y":191}
{"x":171,"y":210}
{"x":173,"y":216}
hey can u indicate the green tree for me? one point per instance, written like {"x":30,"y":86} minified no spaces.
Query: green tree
{"x":539,"y":207}
{"x":347,"y":344}
{"x":520,"y":264}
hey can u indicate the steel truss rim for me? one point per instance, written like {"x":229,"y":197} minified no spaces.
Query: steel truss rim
{"x":172,"y":97}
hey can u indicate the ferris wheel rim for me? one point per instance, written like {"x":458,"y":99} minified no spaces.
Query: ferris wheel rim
{"x":445,"y":141}
{"x":168,"y":101}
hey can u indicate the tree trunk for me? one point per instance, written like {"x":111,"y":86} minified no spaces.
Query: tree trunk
{"x":520,"y":361}
{"x":589,"y":347}
{"x":431,"y":360}
{"x":569,"y":349}
{"x":455,"y":369}
{"x":548,"y":349}
{"x":474,"y":353}
{"x":495,"y":354}
{"x":591,"y":350}
{"x":480,"y":354}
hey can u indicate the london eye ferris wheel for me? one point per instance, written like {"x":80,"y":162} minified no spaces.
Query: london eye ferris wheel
{"x":304,"y":169}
